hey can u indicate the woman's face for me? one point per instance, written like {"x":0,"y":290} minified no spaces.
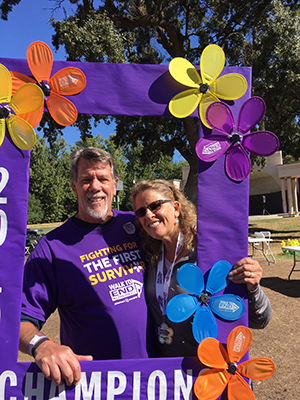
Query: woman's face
{"x":161,"y":222}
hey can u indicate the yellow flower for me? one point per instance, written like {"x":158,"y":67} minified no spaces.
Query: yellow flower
{"x":204,"y":89}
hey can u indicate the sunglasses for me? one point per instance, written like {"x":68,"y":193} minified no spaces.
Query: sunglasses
{"x":155,"y":206}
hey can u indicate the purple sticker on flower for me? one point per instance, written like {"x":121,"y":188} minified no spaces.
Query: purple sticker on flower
{"x":235,"y":142}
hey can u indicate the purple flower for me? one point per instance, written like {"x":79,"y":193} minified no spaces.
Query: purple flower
{"x":235,"y":141}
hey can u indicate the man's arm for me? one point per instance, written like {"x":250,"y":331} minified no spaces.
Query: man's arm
{"x":57,"y":362}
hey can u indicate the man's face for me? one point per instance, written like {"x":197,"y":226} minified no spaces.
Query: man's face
{"x":94,"y":189}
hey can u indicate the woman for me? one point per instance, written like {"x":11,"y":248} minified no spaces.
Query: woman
{"x":168,"y":227}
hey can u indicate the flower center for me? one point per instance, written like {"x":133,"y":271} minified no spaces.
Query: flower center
{"x":4,"y":112}
{"x":235,"y":138}
{"x":45,"y":88}
{"x":204,"y":298}
{"x":232,"y":368}
{"x":203,"y":88}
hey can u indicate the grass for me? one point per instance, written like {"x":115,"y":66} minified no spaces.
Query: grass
{"x":280,"y":228}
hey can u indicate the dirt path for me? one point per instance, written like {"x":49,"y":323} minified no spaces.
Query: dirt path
{"x":280,"y":339}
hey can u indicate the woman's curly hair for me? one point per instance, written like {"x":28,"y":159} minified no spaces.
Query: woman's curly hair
{"x":187,"y":217}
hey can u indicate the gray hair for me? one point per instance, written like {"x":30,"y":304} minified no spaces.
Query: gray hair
{"x":91,"y":154}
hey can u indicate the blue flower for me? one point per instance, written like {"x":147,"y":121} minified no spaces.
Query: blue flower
{"x":202,"y":301}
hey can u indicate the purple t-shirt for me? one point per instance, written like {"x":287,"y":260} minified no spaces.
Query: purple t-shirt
{"x":94,"y":276}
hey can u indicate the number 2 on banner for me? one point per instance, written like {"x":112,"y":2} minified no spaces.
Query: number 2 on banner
{"x":3,"y":200}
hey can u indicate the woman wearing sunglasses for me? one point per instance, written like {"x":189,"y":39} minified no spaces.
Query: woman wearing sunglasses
{"x":168,"y":228}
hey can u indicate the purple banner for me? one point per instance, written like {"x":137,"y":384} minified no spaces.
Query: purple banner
{"x":114,"y":89}
{"x":222,"y":215}
{"x":14,"y":175}
{"x":126,"y":379}
{"x":121,"y":89}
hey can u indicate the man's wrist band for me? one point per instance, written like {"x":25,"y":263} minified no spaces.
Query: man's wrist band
{"x":35,"y":342}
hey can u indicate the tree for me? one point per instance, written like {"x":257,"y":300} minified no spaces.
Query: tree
{"x":137,"y":169}
{"x":35,"y":210}
{"x":250,"y":33}
{"x":263,"y":34}
{"x":49,"y":181}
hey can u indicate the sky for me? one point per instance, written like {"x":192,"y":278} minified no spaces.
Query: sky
{"x":28,"y":22}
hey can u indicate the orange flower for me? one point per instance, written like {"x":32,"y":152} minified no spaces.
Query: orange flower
{"x":225,"y":372}
{"x":68,"y":81}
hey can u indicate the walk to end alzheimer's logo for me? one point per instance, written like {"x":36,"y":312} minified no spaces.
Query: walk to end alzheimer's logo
{"x":125,"y":291}
{"x":211,"y":148}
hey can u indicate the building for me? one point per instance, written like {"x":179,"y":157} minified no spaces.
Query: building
{"x":274,"y":188}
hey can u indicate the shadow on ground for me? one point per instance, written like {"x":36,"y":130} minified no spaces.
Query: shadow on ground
{"x":290,"y":288}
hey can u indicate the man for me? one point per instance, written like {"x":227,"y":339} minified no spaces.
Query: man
{"x":91,"y":269}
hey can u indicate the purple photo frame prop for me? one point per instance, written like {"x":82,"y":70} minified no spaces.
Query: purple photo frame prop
{"x":116,"y":89}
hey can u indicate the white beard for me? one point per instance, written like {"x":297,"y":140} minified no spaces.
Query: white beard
{"x":94,"y":213}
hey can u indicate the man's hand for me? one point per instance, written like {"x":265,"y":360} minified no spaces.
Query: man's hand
{"x":247,"y":271}
{"x":59,"y":363}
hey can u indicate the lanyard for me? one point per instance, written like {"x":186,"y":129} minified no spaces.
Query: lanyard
{"x":163,"y":284}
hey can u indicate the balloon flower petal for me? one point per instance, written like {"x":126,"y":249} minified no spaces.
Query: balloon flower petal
{"x":34,"y":117}
{"x":40,"y":60}
{"x":204,"y":324}
{"x":19,"y":80}
{"x":237,"y":162}
{"x":190,"y":278}
{"x":261,"y":143}
{"x":68,"y":81}
{"x":211,"y":63}
{"x":217,"y":278}
{"x":21,"y":132}
{"x":230,"y":86}
{"x":225,"y":372}
{"x":221,"y":118}
{"x":206,"y":100}
{"x":61,"y":109}
{"x":238,"y":343}
{"x":184,"y":72}
{"x":211,"y":384}
{"x":184,"y":103}
{"x":213,"y":354}
{"x":199,"y":300}
{"x":2,"y":130}
{"x":227,"y":306}
{"x":5,"y":85}
{"x":251,"y":113}
{"x":204,"y":88}
{"x":181,"y":307}
{"x":210,"y":148}
{"x":238,"y":389}
{"x":28,"y":98}
{"x":258,"y":368}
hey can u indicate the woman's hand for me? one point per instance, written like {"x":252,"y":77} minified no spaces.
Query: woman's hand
{"x":246,"y":271}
